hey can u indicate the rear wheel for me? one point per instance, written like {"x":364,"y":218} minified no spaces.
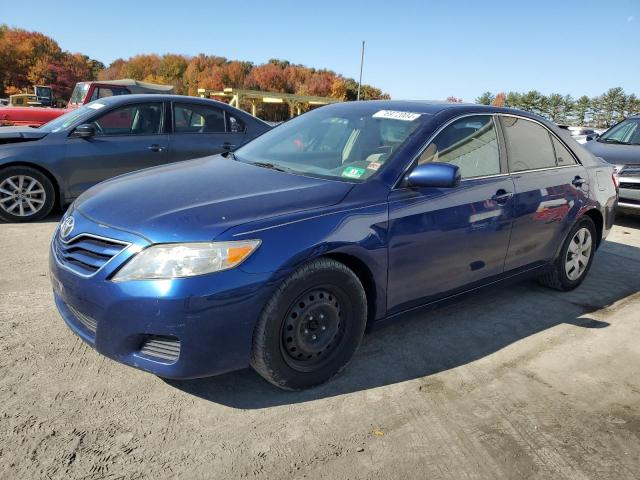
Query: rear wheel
{"x":311,"y":327}
{"x":571,"y":267}
{"x":26,"y":194}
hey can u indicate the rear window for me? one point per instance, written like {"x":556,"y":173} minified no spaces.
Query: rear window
{"x":563,"y":156}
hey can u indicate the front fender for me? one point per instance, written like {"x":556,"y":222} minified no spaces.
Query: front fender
{"x":353,"y":232}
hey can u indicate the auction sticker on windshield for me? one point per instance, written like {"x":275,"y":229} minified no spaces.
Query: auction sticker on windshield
{"x":353,"y":172}
{"x":397,"y":115}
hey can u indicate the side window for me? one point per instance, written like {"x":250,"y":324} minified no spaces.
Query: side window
{"x":470,"y":143}
{"x":193,"y":118}
{"x":141,"y":119}
{"x":563,"y":156}
{"x":528,"y":145}
{"x":235,"y":125}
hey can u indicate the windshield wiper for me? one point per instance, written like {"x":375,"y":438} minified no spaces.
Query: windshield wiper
{"x":270,"y":166}
{"x":613,"y":140}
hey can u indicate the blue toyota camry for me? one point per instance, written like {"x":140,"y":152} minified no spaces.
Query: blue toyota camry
{"x":280,"y":254}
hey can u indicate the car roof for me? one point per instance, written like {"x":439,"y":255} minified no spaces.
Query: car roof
{"x":430,"y":107}
{"x":137,"y":97}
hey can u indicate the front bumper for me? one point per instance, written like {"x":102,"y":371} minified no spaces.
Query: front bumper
{"x":211,"y":316}
{"x":629,"y":195}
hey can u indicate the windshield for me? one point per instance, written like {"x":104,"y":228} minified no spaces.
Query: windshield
{"x":79,"y":92}
{"x":333,"y":144}
{"x":626,"y":132}
{"x":70,"y":119}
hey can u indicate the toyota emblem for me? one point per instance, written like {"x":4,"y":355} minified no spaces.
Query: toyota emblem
{"x":67,"y":227}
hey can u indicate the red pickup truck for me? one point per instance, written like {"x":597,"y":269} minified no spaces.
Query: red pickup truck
{"x":84,"y":92}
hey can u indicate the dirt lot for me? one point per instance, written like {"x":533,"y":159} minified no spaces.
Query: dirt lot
{"x":517,"y":383}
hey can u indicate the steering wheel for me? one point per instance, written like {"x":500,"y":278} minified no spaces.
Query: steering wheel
{"x":99,"y":129}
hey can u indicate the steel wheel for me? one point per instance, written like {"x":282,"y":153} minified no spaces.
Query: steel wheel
{"x":578,"y":254}
{"x":313,"y":329}
{"x":22,"y":195}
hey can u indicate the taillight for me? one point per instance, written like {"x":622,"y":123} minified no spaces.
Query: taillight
{"x":616,"y":180}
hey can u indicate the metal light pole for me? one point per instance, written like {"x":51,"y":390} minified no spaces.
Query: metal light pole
{"x":361,"y":63}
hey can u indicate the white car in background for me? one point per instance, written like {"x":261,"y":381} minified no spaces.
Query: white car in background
{"x":582,"y":134}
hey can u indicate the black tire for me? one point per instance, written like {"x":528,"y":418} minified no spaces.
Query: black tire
{"x":557,"y":277}
{"x":311,"y":327}
{"x":43,"y":201}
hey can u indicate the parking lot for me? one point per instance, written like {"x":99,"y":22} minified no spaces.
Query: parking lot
{"x":522,"y":382}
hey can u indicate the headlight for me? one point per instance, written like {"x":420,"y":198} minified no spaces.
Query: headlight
{"x":177,"y":260}
{"x":617,"y":169}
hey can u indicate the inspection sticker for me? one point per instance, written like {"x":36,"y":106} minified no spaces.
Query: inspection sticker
{"x":96,"y":106}
{"x":396,"y":115}
{"x":353,"y":172}
{"x":374,"y":165}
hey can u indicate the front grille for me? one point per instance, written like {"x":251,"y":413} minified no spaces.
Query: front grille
{"x":89,"y":323}
{"x":86,"y":254}
{"x":630,"y":171}
{"x":629,"y":185}
{"x":162,"y":348}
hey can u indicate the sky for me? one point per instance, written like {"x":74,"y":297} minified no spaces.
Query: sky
{"x":414,"y":49}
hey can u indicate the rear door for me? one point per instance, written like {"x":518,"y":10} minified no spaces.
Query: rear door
{"x":200,"y":130}
{"x":446,"y":239}
{"x":128,"y":138}
{"x":551,"y":188}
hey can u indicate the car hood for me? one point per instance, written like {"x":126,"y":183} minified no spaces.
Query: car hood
{"x":615,"y":154}
{"x":199,"y":199}
{"x":20,"y":134}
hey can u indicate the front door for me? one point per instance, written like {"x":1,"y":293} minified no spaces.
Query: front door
{"x":127,"y":138}
{"x":442,"y":240}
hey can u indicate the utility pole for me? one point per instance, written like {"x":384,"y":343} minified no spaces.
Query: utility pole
{"x":361,"y":63}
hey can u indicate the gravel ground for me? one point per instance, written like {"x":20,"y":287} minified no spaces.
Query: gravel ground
{"x":518,"y":383}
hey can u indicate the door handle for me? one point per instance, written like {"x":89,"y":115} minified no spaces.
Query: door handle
{"x":155,"y":147}
{"x":578,"y":181}
{"x":227,"y":146}
{"x":502,"y":196}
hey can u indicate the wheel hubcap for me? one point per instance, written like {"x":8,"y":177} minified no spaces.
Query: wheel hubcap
{"x":22,"y":195}
{"x":312,"y":330}
{"x":578,"y":254}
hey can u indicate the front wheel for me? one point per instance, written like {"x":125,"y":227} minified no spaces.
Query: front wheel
{"x":26,"y":194}
{"x":311,"y":327}
{"x":571,"y":267}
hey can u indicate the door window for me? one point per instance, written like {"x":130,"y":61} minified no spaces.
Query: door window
{"x":193,"y":118}
{"x":470,"y":143}
{"x":141,"y":119}
{"x":235,"y":125}
{"x":528,"y":144}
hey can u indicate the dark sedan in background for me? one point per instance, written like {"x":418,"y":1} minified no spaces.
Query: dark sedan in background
{"x":620,"y":146}
{"x":55,"y":163}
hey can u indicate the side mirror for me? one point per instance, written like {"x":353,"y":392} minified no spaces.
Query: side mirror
{"x":86,"y":130}
{"x":592,"y":136}
{"x":442,"y":175}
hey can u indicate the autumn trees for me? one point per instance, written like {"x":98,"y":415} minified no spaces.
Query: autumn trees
{"x":31,"y":58}
{"x":600,"y":111}
{"x":188,"y":74}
